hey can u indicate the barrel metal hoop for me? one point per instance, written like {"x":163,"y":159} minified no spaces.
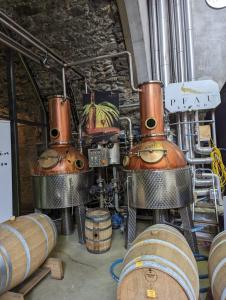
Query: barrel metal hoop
{"x":216,"y":246}
{"x":10,"y":268}
{"x":24,"y":244}
{"x":43,"y":231}
{"x":105,"y":240}
{"x":172,"y":246}
{"x":216,"y":270}
{"x":4,"y":282}
{"x":98,"y":229}
{"x":98,"y":219}
{"x":52,"y":225}
{"x":169,"y":264}
{"x":157,"y":266}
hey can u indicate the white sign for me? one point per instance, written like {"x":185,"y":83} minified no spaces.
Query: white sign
{"x":6,"y":206}
{"x":192,"y":95}
{"x":216,"y":3}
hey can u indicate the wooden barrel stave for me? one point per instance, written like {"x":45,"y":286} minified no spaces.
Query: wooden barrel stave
{"x":164,"y":251}
{"x":23,"y":246}
{"x":217,"y":266}
{"x":98,"y":230}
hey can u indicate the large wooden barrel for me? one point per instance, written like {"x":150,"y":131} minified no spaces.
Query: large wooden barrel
{"x":98,"y":230}
{"x":217,"y":266}
{"x":159,"y":265}
{"x":25,"y":243}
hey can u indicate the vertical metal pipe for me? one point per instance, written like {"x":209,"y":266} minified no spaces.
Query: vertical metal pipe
{"x":189,"y":38}
{"x":64,"y":83}
{"x":164,"y":41}
{"x":155,"y":40}
{"x":11,"y":81}
{"x":67,"y":226}
{"x":180,"y":41}
{"x":173,"y":42}
{"x":214,"y":128}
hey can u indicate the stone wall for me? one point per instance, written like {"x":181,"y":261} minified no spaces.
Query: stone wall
{"x":74,"y":29}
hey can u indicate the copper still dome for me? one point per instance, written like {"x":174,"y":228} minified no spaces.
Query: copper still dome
{"x":154,"y":151}
{"x":61,"y":157}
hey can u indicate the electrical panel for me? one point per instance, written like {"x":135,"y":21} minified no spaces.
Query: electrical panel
{"x":6,"y":206}
{"x":98,"y":157}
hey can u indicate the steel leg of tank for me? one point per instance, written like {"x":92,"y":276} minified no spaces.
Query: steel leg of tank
{"x":130,"y":227}
{"x":80,"y":213}
{"x":161,"y":216}
{"x":187,"y":222}
{"x":67,"y":226}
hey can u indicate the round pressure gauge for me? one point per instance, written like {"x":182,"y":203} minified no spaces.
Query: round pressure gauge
{"x":216,"y":3}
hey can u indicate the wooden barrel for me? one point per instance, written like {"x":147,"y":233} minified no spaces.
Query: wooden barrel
{"x":98,"y":230}
{"x":159,"y":265}
{"x":25,"y":243}
{"x":217,"y":266}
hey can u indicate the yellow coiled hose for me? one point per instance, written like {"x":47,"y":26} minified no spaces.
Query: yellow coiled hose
{"x":218,"y":166}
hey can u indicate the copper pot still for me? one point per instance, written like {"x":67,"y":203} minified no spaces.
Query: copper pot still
{"x":154,"y":151}
{"x":61,"y":157}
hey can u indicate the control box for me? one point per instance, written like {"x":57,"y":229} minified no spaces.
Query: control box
{"x":98,"y":157}
{"x":6,"y":203}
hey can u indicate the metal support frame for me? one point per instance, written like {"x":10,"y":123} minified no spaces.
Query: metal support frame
{"x":188,"y":225}
{"x":80,"y":213}
{"x":11,"y":80}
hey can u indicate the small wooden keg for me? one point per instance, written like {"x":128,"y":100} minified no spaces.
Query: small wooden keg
{"x":98,"y":230}
{"x":25,"y":243}
{"x":159,"y":265}
{"x":217,"y":266}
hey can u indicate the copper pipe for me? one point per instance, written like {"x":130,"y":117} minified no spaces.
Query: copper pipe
{"x":151,"y":110}
{"x":60,"y":120}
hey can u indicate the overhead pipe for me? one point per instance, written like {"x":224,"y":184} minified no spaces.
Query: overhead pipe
{"x":92,"y":59}
{"x":130,"y":130}
{"x":16,"y":28}
{"x":9,"y":42}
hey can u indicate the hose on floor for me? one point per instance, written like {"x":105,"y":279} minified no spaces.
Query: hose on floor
{"x":112,"y":268}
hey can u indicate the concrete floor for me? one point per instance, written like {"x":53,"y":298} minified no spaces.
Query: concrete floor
{"x":87,"y":275}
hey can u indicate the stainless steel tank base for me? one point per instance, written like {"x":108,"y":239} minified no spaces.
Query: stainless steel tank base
{"x":61,"y":191}
{"x":159,"y":189}
{"x":187,"y":226}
